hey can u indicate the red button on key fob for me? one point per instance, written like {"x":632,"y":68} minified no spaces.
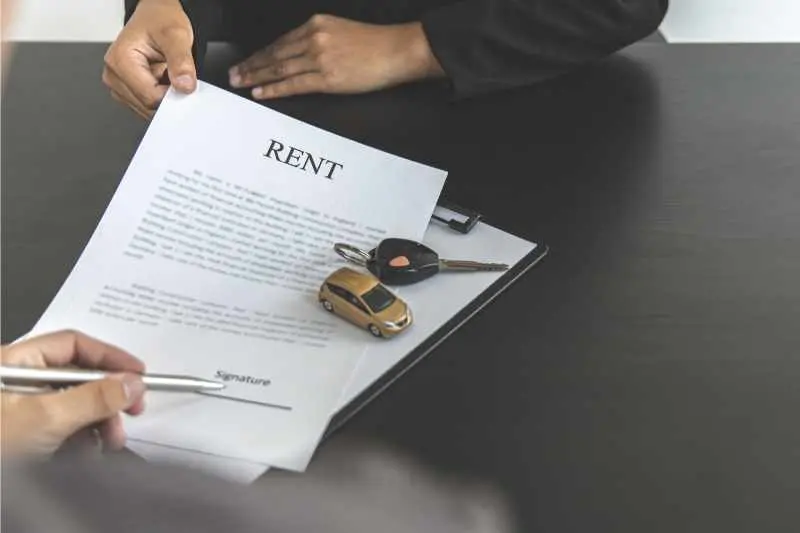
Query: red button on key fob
{"x":402,"y":262}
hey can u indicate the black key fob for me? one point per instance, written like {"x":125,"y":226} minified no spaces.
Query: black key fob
{"x":402,"y":262}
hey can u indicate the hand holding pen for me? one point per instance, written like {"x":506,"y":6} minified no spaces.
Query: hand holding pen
{"x":39,"y":424}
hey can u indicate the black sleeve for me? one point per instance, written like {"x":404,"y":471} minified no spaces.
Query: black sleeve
{"x":488,"y":45}
{"x":201,"y":13}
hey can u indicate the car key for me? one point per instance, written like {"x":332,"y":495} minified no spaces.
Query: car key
{"x":403,"y":262}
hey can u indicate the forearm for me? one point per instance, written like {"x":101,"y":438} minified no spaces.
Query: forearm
{"x":487,"y":45}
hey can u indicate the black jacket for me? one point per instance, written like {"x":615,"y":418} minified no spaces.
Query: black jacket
{"x":483,"y":45}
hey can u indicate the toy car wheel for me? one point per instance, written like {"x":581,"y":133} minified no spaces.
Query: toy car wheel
{"x":375,"y":331}
{"x":327,"y":305}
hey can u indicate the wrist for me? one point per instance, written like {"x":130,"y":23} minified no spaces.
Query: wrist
{"x":419,"y":58}
{"x":161,"y":13}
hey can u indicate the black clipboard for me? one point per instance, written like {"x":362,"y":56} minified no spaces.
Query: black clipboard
{"x":428,"y":345}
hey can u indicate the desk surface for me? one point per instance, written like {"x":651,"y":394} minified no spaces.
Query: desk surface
{"x":644,"y":377}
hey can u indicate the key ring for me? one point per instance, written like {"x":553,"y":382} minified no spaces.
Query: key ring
{"x":352,"y":254}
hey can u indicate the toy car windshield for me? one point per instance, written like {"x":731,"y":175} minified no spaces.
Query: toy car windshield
{"x":378,"y":298}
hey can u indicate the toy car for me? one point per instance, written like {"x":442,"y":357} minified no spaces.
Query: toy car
{"x":362,"y":299}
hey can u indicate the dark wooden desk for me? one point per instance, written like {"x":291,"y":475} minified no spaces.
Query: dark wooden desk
{"x":643,"y":378}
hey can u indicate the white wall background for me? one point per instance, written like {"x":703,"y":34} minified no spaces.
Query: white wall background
{"x":688,"y":20}
{"x":733,"y":21}
{"x":67,"y":20}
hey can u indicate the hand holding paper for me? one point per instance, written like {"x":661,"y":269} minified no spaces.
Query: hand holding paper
{"x":155,"y":44}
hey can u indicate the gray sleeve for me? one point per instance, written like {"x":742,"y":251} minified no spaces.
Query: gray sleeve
{"x":358,"y":491}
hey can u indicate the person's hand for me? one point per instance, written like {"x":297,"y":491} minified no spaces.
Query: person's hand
{"x":153,"y":50}
{"x":38,"y":424}
{"x":334,"y":55}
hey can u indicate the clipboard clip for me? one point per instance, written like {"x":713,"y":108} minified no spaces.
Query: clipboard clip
{"x":456,"y":217}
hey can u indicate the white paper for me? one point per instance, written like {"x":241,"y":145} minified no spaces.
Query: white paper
{"x":234,"y":470}
{"x":434,"y":302}
{"x":209,"y":257}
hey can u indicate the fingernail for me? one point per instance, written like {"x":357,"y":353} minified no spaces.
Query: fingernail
{"x":134,"y":387}
{"x":184,"y":82}
{"x":236,"y":80}
{"x":258,"y":92}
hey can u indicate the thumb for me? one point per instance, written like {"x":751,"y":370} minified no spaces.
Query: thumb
{"x":93,"y":402}
{"x":176,"y":45}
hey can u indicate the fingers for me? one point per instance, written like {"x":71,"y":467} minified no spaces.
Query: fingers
{"x":84,"y":442}
{"x":72,"y":347}
{"x":245,"y":74}
{"x":289,"y":66}
{"x":278,"y":71}
{"x":129,"y":62}
{"x":297,"y":42}
{"x":176,"y":45}
{"x":147,"y":115}
{"x":112,"y":433}
{"x":128,"y":73}
{"x":137,"y":408}
{"x":78,"y":407}
{"x":123,"y":95}
{"x":302,"y":84}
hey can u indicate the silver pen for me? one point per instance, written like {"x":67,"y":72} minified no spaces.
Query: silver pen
{"x":30,"y":379}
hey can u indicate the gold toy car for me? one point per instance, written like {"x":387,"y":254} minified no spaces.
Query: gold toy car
{"x":364,"y":301}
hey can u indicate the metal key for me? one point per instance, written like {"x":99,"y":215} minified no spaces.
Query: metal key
{"x":403,"y":262}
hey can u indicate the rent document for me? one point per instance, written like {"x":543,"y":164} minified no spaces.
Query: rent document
{"x":208,"y":259}
{"x":435,"y":302}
